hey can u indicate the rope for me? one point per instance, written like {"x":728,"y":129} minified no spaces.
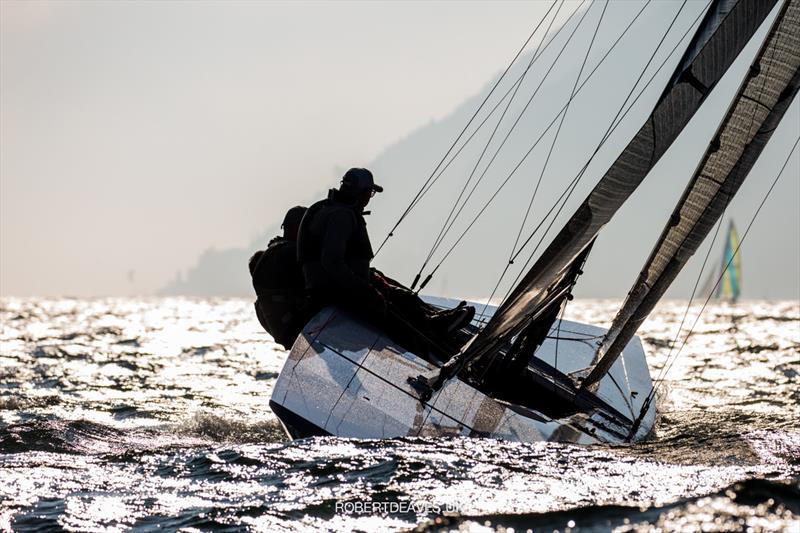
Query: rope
{"x":668,"y":364}
{"x":558,"y":333}
{"x":497,"y":105}
{"x":565,"y":195}
{"x":552,"y":122}
{"x":517,"y":85}
{"x":491,"y":91}
{"x":508,"y":134}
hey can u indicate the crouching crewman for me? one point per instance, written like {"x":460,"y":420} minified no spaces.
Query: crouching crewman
{"x":279,"y":284}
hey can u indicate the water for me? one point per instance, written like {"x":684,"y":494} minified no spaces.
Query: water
{"x":151,"y":414}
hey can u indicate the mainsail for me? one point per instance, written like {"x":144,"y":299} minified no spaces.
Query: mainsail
{"x":721,"y":36}
{"x":762,"y":101}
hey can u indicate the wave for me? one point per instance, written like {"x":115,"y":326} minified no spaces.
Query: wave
{"x":60,"y":436}
{"x":738,"y":505}
{"x":92,"y":438}
{"x":220,"y":429}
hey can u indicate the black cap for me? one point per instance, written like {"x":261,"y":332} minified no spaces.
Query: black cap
{"x":360,"y":179}
{"x":293,"y":216}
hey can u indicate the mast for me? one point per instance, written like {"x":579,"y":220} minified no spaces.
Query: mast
{"x":721,"y":36}
{"x":766,"y":93}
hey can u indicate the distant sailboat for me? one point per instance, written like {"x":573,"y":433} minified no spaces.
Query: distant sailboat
{"x":724,"y":283}
{"x":731,"y":284}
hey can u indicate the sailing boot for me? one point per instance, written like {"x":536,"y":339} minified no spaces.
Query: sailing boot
{"x":451,"y":320}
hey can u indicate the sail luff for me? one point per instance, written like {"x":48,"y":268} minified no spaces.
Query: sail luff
{"x":760,"y":104}
{"x":724,"y":31}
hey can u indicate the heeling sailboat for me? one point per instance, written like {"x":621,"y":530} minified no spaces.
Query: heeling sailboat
{"x":344,"y":377}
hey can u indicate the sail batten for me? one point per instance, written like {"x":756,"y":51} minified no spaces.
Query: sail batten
{"x":725,"y":30}
{"x":753,"y":116}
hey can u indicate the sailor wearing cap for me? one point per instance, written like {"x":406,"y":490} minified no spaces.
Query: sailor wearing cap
{"x":335,"y":253}
{"x":334,"y":247}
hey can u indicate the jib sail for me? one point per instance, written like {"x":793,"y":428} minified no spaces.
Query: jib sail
{"x":721,"y":36}
{"x":753,"y":116}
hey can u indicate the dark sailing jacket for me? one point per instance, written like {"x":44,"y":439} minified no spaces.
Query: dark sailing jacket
{"x":333,"y":247}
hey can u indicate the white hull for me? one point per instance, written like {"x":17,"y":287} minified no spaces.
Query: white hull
{"x":345,"y":378}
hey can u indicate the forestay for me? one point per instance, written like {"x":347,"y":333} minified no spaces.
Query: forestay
{"x":755,"y":113}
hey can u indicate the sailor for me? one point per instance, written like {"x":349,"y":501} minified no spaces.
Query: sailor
{"x":279,"y":284}
{"x":335,"y":253}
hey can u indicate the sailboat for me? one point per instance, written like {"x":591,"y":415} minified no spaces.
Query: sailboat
{"x":725,"y":282}
{"x":523,"y":373}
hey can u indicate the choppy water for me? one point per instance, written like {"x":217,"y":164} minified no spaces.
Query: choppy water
{"x":152,"y":414}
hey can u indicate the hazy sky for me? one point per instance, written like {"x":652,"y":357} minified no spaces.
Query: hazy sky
{"x":134,"y":136}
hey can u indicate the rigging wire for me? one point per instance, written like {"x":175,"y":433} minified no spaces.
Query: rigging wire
{"x":691,"y":297}
{"x":505,"y":139}
{"x":424,"y":190}
{"x":486,"y":98}
{"x":558,"y":131}
{"x":662,"y":373}
{"x":573,"y":184}
{"x":486,"y":118}
{"x":516,"y":88}
{"x":668,"y":364}
{"x":552,"y":122}
{"x":549,"y":154}
{"x":614,"y":122}
{"x":544,"y":168}
{"x":567,"y":193}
